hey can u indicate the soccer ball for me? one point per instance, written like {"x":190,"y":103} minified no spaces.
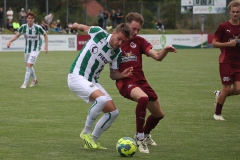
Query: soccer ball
{"x":126,"y":147}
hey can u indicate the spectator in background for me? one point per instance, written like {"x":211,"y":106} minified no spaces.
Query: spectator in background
{"x":10,"y":25}
{"x":48,"y":19}
{"x":66,"y":28}
{"x":160,"y":26}
{"x":54,"y":26}
{"x":22,"y":16}
{"x":44,"y":25}
{"x":10,"y":14}
{"x":59,"y":28}
{"x":105,"y":19}
{"x":29,"y":10}
{"x":100,"y":18}
{"x":119,"y":17}
{"x":1,"y":19}
{"x":113,"y":18}
{"x":16,"y":26}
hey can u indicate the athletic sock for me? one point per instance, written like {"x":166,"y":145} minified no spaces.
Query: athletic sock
{"x":94,"y":112}
{"x":218,"y":110}
{"x":104,"y":123}
{"x":33,"y":74}
{"x":151,"y":123}
{"x":27,"y":75}
{"x":141,"y":113}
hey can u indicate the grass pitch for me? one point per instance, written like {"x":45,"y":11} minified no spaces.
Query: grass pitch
{"x":44,"y":122}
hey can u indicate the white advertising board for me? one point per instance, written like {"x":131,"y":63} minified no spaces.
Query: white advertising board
{"x":178,"y":41}
{"x":55,"y":43}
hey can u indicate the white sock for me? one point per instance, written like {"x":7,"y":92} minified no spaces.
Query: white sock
{"x":104,"y":123}
{"x":27,"y":75}
{"x":140,"y":136}
{"x":33,"y":75}
{"x":94,"y":112}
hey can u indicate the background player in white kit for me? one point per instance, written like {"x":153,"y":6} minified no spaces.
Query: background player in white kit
{"x":32,"y":33}
{"x":101,"y":48}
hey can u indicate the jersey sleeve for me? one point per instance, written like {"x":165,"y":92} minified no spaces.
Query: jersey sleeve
{"x":145,"y":46}
{"x":218,"y":34}
{"x":21,"y":29}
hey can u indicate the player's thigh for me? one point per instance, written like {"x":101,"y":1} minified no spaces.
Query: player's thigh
{"x":236,"y":84}
{"x":155,"y":108}
{"x":32,"y":57}
{"x":136,"y":93}
{"x":81,"y":87}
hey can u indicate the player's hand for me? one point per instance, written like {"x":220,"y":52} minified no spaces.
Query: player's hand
{"x":46,"y":49}
{"x":8,"y":45}
{"x":127,"y":72}
{"x":170,"y":49}
{"x":232,"y":43}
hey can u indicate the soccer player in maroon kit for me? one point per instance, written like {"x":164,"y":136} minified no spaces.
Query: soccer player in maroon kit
{"x":136,"y":87}
{"x":227,"y":39}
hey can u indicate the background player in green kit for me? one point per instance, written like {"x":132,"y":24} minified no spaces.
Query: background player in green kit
{"x":32,"y":33}
{"x":101,"y":48}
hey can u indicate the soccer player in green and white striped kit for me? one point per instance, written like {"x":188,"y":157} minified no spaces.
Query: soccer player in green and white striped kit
{"x":101,"y":48}
{"x":32,"y":33}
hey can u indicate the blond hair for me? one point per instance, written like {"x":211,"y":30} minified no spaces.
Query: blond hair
{"x":234,"y":3}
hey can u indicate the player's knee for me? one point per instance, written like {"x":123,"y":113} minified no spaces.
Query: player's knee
{"x":237,"y":91}
{"x":143,"y":100}
{"x":97,"y":107}
{"x":102,"y":100}
{"x":114,"y":114}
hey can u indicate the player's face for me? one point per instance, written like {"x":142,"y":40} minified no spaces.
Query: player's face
{"x":235,"y":13}
{"x":117,"y":40}
{"x":30,"y":20}
{"x":135,"y":28}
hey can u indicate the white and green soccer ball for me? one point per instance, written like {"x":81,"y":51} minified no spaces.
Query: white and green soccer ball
{"x":126,"y":147}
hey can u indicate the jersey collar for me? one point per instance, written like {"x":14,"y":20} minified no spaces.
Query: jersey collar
{"x":108,"y":40}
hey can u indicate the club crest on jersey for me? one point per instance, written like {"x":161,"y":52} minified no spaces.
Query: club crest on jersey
{"x":128,"y":54}
{"x":94,"y":49}
{"x":133,"y":45}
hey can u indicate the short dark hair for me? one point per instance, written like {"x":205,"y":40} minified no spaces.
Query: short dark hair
{"x":31,"y":14}
{"x":124,"y":29}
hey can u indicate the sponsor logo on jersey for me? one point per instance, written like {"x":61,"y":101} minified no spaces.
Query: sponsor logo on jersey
{"x":133,"y":45}
{"x":128,"y":56}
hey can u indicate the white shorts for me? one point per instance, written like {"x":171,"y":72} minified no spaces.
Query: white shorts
{"x":83,"y":88}
{"x":31,"y":57}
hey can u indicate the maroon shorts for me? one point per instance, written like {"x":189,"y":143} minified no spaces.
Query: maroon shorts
{"x":126,"y":89}
{"x":229,"y":73}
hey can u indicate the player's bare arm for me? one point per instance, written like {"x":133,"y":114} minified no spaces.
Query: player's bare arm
{"x":13,"y":39}
{"x":218,"y":44}
{"x":115,"y":74}
{"x":81,"y":27}
{"x":159,"y":56}
{"x":46,"y":43}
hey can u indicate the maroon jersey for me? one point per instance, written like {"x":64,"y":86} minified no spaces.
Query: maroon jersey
{"x":225,"y":32}
{"x":132,"y":51}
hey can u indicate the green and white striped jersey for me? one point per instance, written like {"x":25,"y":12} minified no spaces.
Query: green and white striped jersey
{"x":32,"y":36}
{"x":95,"y":54}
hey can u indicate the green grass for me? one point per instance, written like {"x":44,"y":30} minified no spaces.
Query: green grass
{"x":44,"y":122}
